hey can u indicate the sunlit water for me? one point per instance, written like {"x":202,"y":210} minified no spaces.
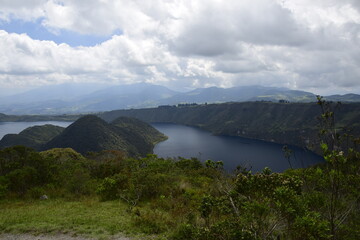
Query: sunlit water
{"x":189,"y":142}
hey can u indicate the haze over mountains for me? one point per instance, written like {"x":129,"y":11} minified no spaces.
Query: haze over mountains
{"x":84,"y":98}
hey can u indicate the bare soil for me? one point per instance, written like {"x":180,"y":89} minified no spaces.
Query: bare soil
{"x":58,"y":236}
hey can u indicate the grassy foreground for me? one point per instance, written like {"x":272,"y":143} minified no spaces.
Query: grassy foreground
{"x":88,"y":217}
{"x":107,"y":196}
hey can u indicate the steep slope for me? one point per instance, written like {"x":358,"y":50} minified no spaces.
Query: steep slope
{"x":87,"y":134}
{"x":33,"y":137}
{"x":146,"y":131}
{"x":288,"y":123}
{"x":92,"y":134}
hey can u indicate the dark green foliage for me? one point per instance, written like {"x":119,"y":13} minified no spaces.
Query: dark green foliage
{"x":150,"y":134}
{"x":56,"y":172}
{"x":21,"y":180}
{"x":293,"y":123}
{"x":190,"y":200}
{"x":92,"y":134}
{"x":188,"y":164}
{"x":33,"y":137}
{"x":87,"y":134}
{"x":4,"y":183}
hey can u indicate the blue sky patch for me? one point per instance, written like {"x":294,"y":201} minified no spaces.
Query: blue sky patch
{"x":36,"y":31}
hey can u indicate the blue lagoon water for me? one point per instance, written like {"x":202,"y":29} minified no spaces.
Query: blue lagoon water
{"x":189,"y":142}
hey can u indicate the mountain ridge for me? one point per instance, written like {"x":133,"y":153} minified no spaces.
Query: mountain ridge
{"x":144,"y":95}
{"x":284,"y":123}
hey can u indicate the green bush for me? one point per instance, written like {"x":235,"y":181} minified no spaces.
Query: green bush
{"x":152,"y":221}
{"x":22,"y":179}
{"x":3,"y":186}
{"x":110,"y":187}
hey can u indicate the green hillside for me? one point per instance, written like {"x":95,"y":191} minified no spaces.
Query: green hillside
{"x":146,"y":131}
{"x":92,"y":134}
{"x":288,"y":123}
{"x":33,"y":137}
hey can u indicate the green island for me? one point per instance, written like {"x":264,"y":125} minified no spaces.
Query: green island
{"x":108,"y":194}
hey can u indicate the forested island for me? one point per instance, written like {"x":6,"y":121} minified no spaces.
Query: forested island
{"x":90,"y":134}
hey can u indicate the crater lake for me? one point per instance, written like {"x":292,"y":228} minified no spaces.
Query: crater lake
{"x":187,"y":142}
{"x":253,"y":154}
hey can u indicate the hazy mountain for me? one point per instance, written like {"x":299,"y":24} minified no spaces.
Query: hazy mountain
{"x":241,"y":94}
{"x":278,"y":94}
{"x":343,"y":98}
{"x":78,"y":98}
{"x":52,"y":99}
{"x":60,"y":92}
{"x":69,"y":98}
{"x":33,"y":137}
{"x":139,"y":95}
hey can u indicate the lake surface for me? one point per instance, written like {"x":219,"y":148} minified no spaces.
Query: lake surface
{"x":189,"y":142}
{"x":17,"y":127}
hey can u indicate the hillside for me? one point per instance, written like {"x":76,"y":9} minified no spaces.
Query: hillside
{"x":146,"y":131}
{"x":92,"y":134}
{"x":289,"y":123}
{"x":33,"y":137}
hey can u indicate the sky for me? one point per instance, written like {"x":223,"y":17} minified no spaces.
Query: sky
{"x":311,"y":45}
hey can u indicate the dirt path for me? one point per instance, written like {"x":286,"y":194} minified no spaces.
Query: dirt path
{"x":51,"y":237}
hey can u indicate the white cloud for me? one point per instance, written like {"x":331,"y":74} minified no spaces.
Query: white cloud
{"x":304,"y":44}
{"x":22,"y":9}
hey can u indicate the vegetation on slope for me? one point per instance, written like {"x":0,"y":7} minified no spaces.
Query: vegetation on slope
{"x":176,"y":199}
{"x":33,"y":137}
{"x":149,"y":133}
{"x":92,"y":134}
{"x":286,"y":123}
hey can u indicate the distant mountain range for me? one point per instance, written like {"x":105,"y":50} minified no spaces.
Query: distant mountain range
{"x":88,"y":98}
{"x":90,"y":134}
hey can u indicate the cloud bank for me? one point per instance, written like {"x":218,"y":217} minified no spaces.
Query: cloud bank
{"x":311,"y":45}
